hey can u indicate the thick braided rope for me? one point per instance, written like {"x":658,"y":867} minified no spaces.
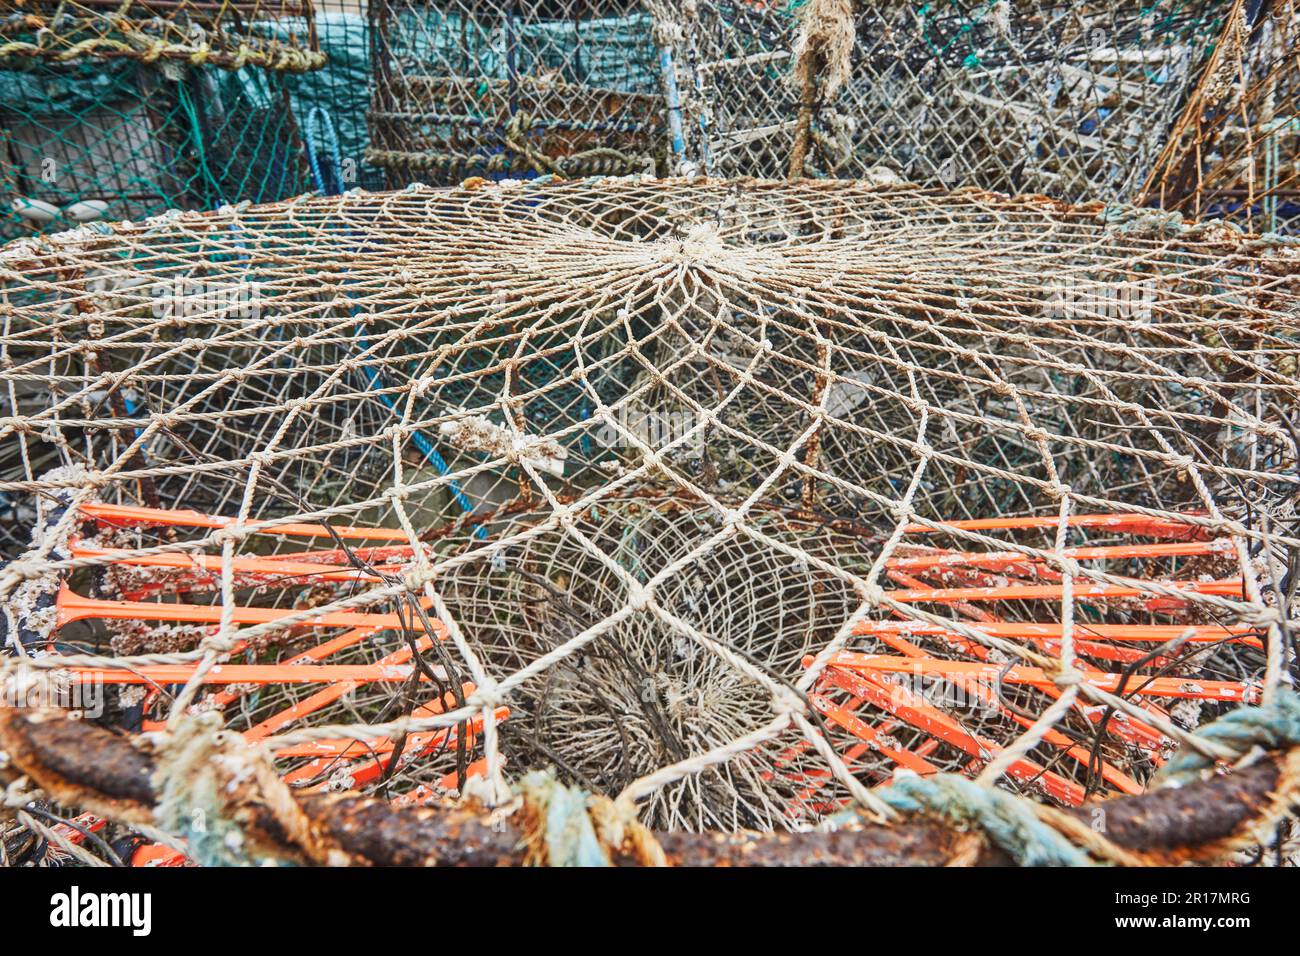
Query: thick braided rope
{"x":1274,"y":726}
{"x":189,"y":796}
{"x":1008,"y":821}
{"x":1039,"y":836}
{"x":120,"y":38}
{"x":202,"y":771}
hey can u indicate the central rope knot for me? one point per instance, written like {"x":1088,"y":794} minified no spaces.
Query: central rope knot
{"x":701,"y":243}
{"x":1069,"y":677}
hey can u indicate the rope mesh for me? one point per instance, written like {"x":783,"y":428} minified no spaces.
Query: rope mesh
{"x":1071,"y":100}
{"x":731,"y":499}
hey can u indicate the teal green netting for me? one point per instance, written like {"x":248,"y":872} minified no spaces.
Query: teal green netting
{"x":124,"y":140}
{"x":108,"y":140}
{"x":118,"y":139}
{"x":341,"y":89}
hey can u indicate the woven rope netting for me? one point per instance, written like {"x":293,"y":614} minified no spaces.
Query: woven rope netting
{"x":541,"y":86}
{"x":225,"y":33}
{"x":732,"y":498}
{"x":1071,"y":100}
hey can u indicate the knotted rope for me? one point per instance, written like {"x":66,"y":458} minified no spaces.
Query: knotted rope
{"x":568,"y":827}
{"x":211,"y":786}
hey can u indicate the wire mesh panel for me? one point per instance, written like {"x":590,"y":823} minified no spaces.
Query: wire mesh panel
{"x":1235,"y":151}
{"x":513,"y":87}
{"x":1071,"y":100}
{"x":734,"y":499}
{"x":109,"y":115}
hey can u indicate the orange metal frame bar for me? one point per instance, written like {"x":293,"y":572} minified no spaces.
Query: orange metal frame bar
{"x":1131,"y":730}
{"x":909,"y":707}
{"x":1156,"y":633}
{"x":1047,"y":592}
{"x":181,"y":517}
{"x":992,"y":560}
{"x":328,"y":565}
{"x":74,"y":607}
{"x":1149,"y":686}
{"x":1119,"y":523}
{"x":246,"y":674}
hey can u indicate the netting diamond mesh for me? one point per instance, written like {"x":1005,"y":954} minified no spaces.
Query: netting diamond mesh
{"x":733,"y":498}
{"x":540,"y":86}
{"x":112,"y":110}
{"x":1071,"y":100}
{"x":95,"y":141}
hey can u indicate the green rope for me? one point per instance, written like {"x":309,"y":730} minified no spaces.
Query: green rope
{"x":191,"y":114}
{"x":1008,"y":820}
{"x":1274,"y":726}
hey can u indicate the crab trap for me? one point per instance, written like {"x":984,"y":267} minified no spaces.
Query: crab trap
{"x":513,"y":89}
{"x":112,"y":111}
{"x":1233,"y":152}
{"x":1071,"y":100}
{"x":733,"y":502}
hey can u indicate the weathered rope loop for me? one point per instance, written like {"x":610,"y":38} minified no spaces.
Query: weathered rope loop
{"x":618,"y":827}
{"x":1006,"y":820}
{"x":190,"y":799}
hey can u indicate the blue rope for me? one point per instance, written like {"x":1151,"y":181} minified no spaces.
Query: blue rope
{"x":1008,"y":820}
{"x":319,"y":116}
{"x":568,"y":835}
{"x":423,"y":444}
{"x":1272,"y":726}
{"x":676,"y":136}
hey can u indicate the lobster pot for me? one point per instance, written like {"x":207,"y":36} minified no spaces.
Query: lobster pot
{"x":100,"y":142}
{"x":112,"y":111}
{"x":513,"y":88}
{"x":733,"y":498}
{"x":1235,"y":153}
{"x":1070,"y":100}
